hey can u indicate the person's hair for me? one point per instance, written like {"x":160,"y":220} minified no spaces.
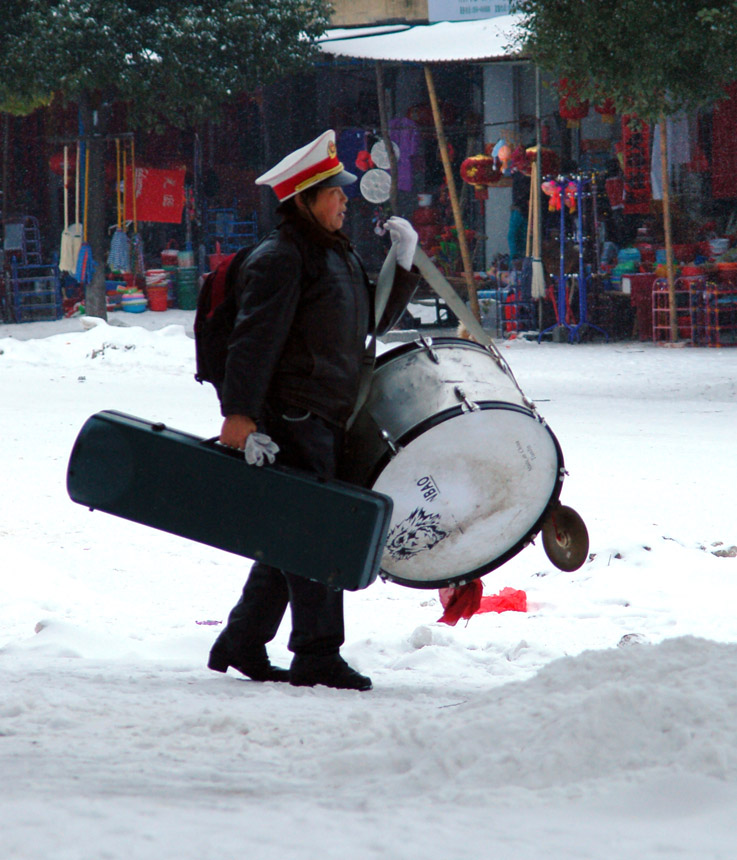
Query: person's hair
{"x":288,"y":208}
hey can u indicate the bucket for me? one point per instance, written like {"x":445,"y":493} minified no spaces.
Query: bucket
{"x":214,"y":260}
{"x":187,"y":288}
{"x":171,"y":281}
{"x":186,"y":259}
{"x":158,"y":299}
{"x":170,"y":256}
{"x":133,"y":302}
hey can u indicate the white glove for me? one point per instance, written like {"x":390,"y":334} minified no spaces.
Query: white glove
{"x":404,"y":236}
{"x":259,"y":446}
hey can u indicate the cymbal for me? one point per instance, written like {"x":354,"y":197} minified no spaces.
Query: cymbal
{"x":565,"y":538}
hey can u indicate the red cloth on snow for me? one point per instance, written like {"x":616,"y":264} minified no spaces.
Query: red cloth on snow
{"x":468,"y":600}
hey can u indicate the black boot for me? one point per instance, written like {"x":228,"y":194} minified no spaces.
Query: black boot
{"x":307,"y":670}
{"x":253,"y":664}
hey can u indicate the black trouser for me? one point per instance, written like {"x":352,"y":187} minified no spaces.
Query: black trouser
{"x":310,"y":443}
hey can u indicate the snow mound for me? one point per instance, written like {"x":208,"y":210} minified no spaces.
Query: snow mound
{"x":621,"y":713}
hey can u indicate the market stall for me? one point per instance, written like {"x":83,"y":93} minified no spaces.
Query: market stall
{"x":602,"y":234}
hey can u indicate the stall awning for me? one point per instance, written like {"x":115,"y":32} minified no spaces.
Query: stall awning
{"x":479,"y":41}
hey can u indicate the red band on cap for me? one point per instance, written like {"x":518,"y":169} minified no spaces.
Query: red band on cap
{"x":292,"y":185}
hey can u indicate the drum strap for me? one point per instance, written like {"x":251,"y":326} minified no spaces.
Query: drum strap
{"x":438,"y":282}
{"x":381,"y":297}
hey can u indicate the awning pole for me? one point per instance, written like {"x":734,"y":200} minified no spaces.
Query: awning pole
{"x":384,"y":120}
{"x":457,"y":217}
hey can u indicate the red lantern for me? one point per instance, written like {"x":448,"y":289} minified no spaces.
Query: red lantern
{"x":571,"y":107}
{"x":549,"y":160}
{"x":606,"y":110}
{"x":56,"y":163}
{"x":480,"y":171}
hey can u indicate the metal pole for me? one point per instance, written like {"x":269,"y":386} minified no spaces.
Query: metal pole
{"x":667,"y":228}
{"x":384,"y":120}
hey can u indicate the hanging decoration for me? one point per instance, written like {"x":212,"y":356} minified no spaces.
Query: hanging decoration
{"x":481,"y":171}
{"x":557,"y":191}
{"x":119,"y":256}
{"x":606,"y":110}
{"x":364,"y":161}
{"x":380,"y":157}
{"x":636,"y":166}
{"x":571,"y":106}
{"x":549,"y":160}
{"x":502,"y":152}
{"x":59,"y":166}
{"x":155,"y":195}
{"x":71,"y":237}
{"x":375,"y":185}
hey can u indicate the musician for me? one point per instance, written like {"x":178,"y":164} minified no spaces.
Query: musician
{"x":292,"y":381}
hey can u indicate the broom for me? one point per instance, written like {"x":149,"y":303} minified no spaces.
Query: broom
{"x":71,"y":237}
{"x":538,"y":273}
{"x":119,"y":257}
{"x":85,"y":263}
{"x":137,"y":262}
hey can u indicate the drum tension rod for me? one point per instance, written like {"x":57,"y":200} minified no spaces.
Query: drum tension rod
{"x":390,"y":442}
{"x":468,"y":405}
{"x":427,"y":343}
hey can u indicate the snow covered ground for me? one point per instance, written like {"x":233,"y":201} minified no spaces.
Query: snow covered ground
{"x":598,"y":725}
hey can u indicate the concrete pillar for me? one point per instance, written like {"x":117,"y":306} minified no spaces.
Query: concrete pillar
{"x":500,"y":112}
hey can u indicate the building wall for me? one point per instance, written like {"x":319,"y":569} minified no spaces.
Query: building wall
{"x":348,"y":13}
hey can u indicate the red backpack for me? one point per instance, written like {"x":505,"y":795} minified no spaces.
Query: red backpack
{"x":217,"y":308}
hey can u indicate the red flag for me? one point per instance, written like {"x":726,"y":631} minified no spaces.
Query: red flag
{"x":159,"y":195}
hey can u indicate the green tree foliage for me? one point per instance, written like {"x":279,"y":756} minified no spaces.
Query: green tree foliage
{"x":171,"y":61}
{"x":652,"y":57}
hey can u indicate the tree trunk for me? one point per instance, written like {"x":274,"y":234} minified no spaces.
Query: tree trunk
{"x":95,"y":123}
{"x":673,"y":317}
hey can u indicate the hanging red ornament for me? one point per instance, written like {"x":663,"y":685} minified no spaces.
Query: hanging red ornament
{"x":364,"y":161}
{"x":571,"y":106}
{"x":552,"y":189}
{"x":549,"y":160}
{"x":560,"y":192}
{"x":606,"y":110}
{"x":56,"y":163}
{"x":480,"y":171}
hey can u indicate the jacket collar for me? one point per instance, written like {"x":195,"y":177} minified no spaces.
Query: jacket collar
{"x":315,"y":234}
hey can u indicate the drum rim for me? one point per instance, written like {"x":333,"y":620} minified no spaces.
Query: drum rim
{"x":439,"y":418}
{"x":445,"y":340}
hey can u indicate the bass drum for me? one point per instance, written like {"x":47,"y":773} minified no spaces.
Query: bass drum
{"x":471,"y":467}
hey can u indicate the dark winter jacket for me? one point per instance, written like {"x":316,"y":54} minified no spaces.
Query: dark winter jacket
{"x":306,"y":309}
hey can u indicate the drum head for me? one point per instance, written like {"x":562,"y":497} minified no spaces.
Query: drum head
{"x":470,"y":490}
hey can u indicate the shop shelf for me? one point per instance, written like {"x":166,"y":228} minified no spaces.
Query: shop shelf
{"x":661,"y":308}
{"x":714,"y":314}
